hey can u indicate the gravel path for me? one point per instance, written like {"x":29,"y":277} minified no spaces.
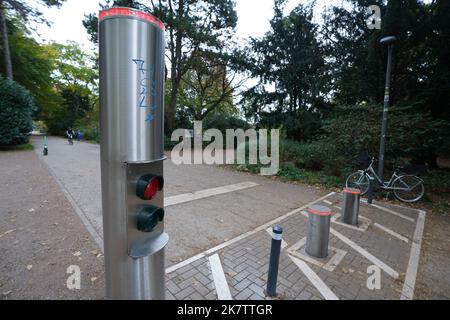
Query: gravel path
{"x":41,"y":236}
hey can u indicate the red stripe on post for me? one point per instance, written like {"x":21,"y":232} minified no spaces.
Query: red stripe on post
{"x":130,"y":13}
{"x":352,"y":191}
{"x":320,"y":213}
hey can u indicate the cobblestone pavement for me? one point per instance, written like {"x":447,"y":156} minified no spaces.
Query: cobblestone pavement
{"x":388,"y":237}
{"x":385,"y":237}
{"x":193,"y":226}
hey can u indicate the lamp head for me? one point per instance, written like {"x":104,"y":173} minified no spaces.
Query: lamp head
{"x":388,"y":40}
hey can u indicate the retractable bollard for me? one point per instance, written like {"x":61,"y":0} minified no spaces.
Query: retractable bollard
{"x":132,"y":152}
{"x":277,"y":233}
{"x":318,"y":231}
{"x":350,"y":206}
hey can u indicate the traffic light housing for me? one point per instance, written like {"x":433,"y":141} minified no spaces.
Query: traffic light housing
{"x":148,"y":218}
{"x":148,"y":185}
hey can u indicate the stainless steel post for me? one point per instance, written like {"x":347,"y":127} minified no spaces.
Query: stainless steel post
{"x":132,"y":152}
{"x":350,"y":206}
{"x":318,"y":231}
{"x":389,"y":41}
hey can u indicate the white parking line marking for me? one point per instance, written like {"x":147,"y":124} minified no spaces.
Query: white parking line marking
{"x":220,"y":282}
{"x":185,"y":262}
{"x":393,"y":212}
{"x":330,"y":265}
{"x":206,"y":193}
{"x":363,"y":225}
{"x":315,"y":280}
{"x":244,"y":235}
{"x":391,"y":232}
{"x":366,"y":254}
{"x":413,"y":264}
{"x":328,"y":202}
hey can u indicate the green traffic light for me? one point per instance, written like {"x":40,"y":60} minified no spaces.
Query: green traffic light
{"x":148,"y":218}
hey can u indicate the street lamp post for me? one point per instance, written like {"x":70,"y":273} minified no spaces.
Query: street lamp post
{"x":389,"y":42}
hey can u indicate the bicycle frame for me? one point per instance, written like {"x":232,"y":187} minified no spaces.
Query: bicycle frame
{"x":398,"y":181}
{"x":386,"y":185}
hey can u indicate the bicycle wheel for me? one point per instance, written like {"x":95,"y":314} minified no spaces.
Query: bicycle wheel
{"x":358,"y":180}
{"x":408,"y":188}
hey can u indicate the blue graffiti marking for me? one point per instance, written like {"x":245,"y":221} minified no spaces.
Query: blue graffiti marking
{"x":140,"y":63}
{"x":147,"y":92}
{"x":149,"y":118}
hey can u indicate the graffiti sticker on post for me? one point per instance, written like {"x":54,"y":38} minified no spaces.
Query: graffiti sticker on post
{"x":147,"y":88}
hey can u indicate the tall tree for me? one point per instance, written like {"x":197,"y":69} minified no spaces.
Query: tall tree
{"x":288,"y":61}
{"x":353,"y":52}
{"x":26,"y":12}
{"x":193,"y":27}
{"x":76,"y":82}
{"x":209,"y":87}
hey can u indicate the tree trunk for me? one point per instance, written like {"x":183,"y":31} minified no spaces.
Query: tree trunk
{"x":176,"y":69}
{"x":5,"y":43}
{"x":172,"y":105}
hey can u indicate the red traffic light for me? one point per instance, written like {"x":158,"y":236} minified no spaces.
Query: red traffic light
{"x":147,"y":186}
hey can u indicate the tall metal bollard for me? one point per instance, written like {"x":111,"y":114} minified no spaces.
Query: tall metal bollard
{"x":350,"y":206}
{"x":318,"y":231}
{"x":275,"y":249}
{"x":131,"y":64}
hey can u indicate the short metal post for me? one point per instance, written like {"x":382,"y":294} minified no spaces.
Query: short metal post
{"x":45,"y":151}
{"x":350,"y":206}
{"x":318,"y":231}
{"x":275,"y":249}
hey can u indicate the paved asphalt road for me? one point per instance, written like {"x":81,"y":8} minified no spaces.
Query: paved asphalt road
{"x":192,"y":226}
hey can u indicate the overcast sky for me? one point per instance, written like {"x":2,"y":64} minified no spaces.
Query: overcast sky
{"x":253,"y":19}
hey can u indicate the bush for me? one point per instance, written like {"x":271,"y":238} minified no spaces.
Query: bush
{"x":58,"y":120}
{"x":168,"y":144}
{"x":88,"y":128}
{"x":16,"y":107}
{"x":319,"y":155}
{"x":223,"y":122}
{"x":355,"y":129}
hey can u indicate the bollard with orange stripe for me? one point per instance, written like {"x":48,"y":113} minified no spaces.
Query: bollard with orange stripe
{"x":350,"y":206}
{"x":318,"y":231}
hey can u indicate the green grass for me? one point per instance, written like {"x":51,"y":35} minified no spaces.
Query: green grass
{"x":21,"y":147}
{"x":292,"y":173}
{"x":310,"y":177}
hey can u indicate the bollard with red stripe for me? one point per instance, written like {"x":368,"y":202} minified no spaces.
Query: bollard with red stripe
{"x":350,"y":206}
{"x":318,"y":231}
